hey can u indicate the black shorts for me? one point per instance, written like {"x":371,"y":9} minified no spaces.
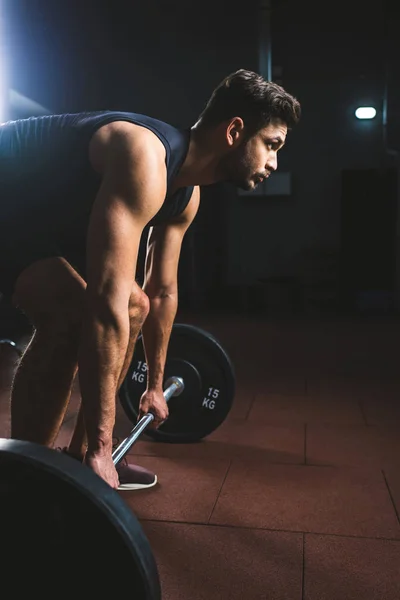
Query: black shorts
{"x":20,"y":253}
{"x":11,"y":265}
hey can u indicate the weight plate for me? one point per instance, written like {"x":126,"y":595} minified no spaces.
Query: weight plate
{"x":63,"y":528}
{"x":208,"y":374}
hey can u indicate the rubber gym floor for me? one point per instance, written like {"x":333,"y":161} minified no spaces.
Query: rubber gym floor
{"x":297,"y":495}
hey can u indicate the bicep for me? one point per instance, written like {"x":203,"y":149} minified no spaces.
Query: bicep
{"x":163,"y":251}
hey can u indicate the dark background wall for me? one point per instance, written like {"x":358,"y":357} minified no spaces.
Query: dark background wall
{"x":164,"y":59}
{"x":333,"y":58}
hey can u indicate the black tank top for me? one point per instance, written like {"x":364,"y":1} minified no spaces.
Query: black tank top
{"x":47,"y":184}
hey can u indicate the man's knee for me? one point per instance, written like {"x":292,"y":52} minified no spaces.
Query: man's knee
{"x":51,"y":293}
{"x":139,"y":306}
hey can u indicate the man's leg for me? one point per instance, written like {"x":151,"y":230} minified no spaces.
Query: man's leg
{"x":131,"y":476}
{"x":51,"y":294}
{"x":138,"y":312}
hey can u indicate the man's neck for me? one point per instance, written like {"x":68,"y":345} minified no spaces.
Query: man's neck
{"x":200,"y":166}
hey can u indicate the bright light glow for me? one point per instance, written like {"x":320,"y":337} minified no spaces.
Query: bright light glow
{"x":3,"y":76}
{"x":365,"y":112}
{"x":2,"y":82}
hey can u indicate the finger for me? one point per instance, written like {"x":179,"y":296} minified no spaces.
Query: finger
{"x":156,"y":423}
{"x":141,"y":414}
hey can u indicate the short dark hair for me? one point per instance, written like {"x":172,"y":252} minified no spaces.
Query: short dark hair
{"x":257,"y":101}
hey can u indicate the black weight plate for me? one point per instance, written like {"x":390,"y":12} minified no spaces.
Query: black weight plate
{"x":197,"y":357}
{"x":63,"y":529}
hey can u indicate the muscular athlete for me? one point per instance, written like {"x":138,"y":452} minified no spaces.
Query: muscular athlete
{"x":76,"y":193}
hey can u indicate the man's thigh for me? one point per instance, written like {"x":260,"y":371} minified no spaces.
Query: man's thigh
{"x":49,"y":288}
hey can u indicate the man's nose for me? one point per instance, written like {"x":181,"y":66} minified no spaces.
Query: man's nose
{"x":272,"y":163}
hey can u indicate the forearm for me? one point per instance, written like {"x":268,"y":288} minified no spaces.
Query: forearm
{"x":103,"y":347}
{"x":156,"y":332}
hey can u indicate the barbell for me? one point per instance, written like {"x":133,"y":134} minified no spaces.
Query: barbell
{"x":8,"y":342}
{"x":65,"y":530}
{"x":197,"y":357}
{"x":74,"y":532}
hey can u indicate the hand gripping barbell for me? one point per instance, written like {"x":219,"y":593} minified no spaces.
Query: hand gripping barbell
{"x":175,"y":386}
{"x":73,"y":532}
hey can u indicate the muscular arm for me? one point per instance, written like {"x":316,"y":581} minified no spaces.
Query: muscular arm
{"x":161,"y":286}
{"x":132,"y":191}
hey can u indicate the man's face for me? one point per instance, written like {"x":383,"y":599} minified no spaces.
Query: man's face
{"x":256,"y":158}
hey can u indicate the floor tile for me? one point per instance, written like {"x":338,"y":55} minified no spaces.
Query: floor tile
{"x":309,"y":499}
{"x":392,"y":478}
{"x":280,"y":381}
{"x":187,"y":490}
{"x":244,"y":398}
{"x":237,"y":438}
{"x":383,"y":410}
{"x":350,"y":568}
{"x":222,"y":563}
{"x":356,"y":445}
{"x":339,"y":387}
{"x":273,"y":409}
{"x":239,"y":501}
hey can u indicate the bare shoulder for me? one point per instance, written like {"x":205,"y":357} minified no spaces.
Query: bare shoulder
{"x":131,"y":162}
{"x":121,"y":140}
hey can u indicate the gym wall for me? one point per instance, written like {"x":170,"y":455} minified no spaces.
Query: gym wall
{"x":164,"y":60}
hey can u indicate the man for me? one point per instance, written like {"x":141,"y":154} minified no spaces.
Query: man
{"x":77,"y":192}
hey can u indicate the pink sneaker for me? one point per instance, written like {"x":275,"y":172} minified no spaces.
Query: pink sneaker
{"x":133,"y":477}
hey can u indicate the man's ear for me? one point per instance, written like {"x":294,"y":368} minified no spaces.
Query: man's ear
{"x":234,"y":131}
